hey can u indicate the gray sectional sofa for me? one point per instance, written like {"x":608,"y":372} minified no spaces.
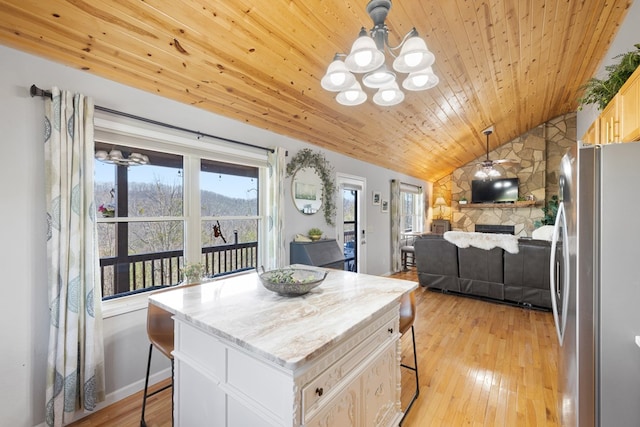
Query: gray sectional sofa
{"x":521,"y":278}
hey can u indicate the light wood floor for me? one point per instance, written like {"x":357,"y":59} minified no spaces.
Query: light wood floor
{"x":480,"y":364}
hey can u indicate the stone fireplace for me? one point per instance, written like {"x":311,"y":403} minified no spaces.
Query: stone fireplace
{"x":538,"y":152}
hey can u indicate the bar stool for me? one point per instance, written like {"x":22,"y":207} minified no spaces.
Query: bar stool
{"x":160,"y":332}
{"x":407,"y":316}
{"x":408,"y":256}
{"x":408,"y":252}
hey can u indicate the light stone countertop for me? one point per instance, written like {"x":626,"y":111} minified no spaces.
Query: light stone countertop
{"x":285,"y":330}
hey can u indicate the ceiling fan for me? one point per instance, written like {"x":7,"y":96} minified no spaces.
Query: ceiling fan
{"x":486,"y":168}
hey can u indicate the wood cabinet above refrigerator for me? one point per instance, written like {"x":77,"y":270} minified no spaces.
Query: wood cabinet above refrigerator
{"x":620,"y":120}
{"x":629,"y":108}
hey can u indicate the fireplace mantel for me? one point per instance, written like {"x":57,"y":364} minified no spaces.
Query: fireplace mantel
{"x":511,"y":205}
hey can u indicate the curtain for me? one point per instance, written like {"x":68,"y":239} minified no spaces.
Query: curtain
{"x":397,"y":190}
{"x":75,"y":362}
{"x":396,"y":261}
{"x":275,"y":209}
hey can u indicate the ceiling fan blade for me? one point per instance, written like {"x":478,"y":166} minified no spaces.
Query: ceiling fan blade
{"x":506,"y":162}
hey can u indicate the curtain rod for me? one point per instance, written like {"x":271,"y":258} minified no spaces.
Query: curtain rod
{"x":36,"y":91}
{"x":411,"y":185}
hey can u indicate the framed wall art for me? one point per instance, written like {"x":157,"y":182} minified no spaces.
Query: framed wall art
{"x":376,"y":198}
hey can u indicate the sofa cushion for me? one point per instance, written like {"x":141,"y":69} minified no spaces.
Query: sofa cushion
{"x":481,"y":272}
{"x":481,"y":264}
{"x":530,"y":266}
{"x":437,"y":262}
{"x":526,"y":274}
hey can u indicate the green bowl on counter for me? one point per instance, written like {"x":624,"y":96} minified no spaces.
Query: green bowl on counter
{"x":292,"y":281}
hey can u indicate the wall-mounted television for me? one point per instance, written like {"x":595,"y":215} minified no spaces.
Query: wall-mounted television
{"x":502,"y":190}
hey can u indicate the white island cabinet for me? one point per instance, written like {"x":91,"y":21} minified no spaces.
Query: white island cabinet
{"x":245,"y":356}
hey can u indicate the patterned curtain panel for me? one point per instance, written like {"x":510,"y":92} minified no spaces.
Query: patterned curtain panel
{"x":275,"y":210}
{"x":420,"y":203}
{"x":75,"y":365}
{"x":396,"y":261}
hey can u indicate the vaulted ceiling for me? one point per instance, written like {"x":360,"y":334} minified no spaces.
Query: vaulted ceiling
{"x":513,"y":64}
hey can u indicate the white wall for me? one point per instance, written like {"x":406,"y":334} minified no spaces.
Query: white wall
{"x":624,"y":42}
{"x":24,"y":310}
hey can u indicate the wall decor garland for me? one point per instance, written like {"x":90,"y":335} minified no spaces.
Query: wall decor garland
{"x":306,"y":158}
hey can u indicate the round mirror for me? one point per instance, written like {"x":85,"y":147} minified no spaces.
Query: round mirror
{"x":306,"y":190}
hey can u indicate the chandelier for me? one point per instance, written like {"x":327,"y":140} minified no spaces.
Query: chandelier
{"x":116,"y":157}
{"x":486,"y":168}
{"x":485,"y":172}
{"x":367,"y":57}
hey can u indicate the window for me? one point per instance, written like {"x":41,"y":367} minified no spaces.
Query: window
{"x":141,"y":232}
{"x":229,"y":212}
{"x":152,"y":219}
{"x":411,"y":212}
{"x":408,"y":212}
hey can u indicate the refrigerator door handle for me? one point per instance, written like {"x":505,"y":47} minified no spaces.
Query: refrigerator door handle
{"x":554,"y":287}
{"x":566,"y":274}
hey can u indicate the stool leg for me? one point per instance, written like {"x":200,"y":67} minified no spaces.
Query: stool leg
{"x":413,"y":368}
{"x":146,"y":386}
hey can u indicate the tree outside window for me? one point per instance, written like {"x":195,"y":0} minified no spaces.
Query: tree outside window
{"x":142,"y":244}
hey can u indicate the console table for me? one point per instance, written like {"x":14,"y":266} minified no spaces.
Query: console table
{"x":440,"y":226}
{"x":321,"y":253}
{"x":245,"y":356}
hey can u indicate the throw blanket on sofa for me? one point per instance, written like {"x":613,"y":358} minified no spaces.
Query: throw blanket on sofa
{"x":464,"y":239}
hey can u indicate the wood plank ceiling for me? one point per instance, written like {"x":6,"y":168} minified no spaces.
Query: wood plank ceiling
{"x":510,"y":63}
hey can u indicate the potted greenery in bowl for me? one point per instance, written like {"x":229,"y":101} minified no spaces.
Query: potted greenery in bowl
{"x":315,"y":234}
{"x":193,"y":273}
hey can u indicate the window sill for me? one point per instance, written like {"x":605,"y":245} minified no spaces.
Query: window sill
{"x":131,"y":303}
{"x":123,"y":305}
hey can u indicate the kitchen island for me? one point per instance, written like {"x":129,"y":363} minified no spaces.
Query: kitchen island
{"x":245,"y":356}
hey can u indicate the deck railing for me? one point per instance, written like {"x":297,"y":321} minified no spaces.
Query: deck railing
{"x":134,"y":273}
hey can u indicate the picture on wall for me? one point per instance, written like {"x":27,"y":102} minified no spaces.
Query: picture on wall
{"x":385,"y":206}
{"x":376,"y":198}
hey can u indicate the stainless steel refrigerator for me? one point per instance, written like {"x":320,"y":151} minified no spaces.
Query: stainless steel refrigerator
{"x":595,"y":274}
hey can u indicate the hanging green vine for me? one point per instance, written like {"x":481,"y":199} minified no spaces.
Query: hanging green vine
{"x":306,"y":158}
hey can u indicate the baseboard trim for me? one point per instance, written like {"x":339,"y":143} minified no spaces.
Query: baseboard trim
{"x":120,"y":394}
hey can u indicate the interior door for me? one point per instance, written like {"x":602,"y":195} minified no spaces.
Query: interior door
{"x":350,"y":228}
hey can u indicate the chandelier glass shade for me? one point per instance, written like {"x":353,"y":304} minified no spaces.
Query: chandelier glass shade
{"x":354,"y":95}
{"x":486,"y":172}
{"x":387,"y":95}
{"x":116,"y":157}
{"x":367,"y":57}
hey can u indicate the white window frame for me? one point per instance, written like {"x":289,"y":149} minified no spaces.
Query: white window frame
{"x":418,"y":202}
{"x":192,"y":148}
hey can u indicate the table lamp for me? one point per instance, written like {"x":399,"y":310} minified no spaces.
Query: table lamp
{"x":440,"y":202}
